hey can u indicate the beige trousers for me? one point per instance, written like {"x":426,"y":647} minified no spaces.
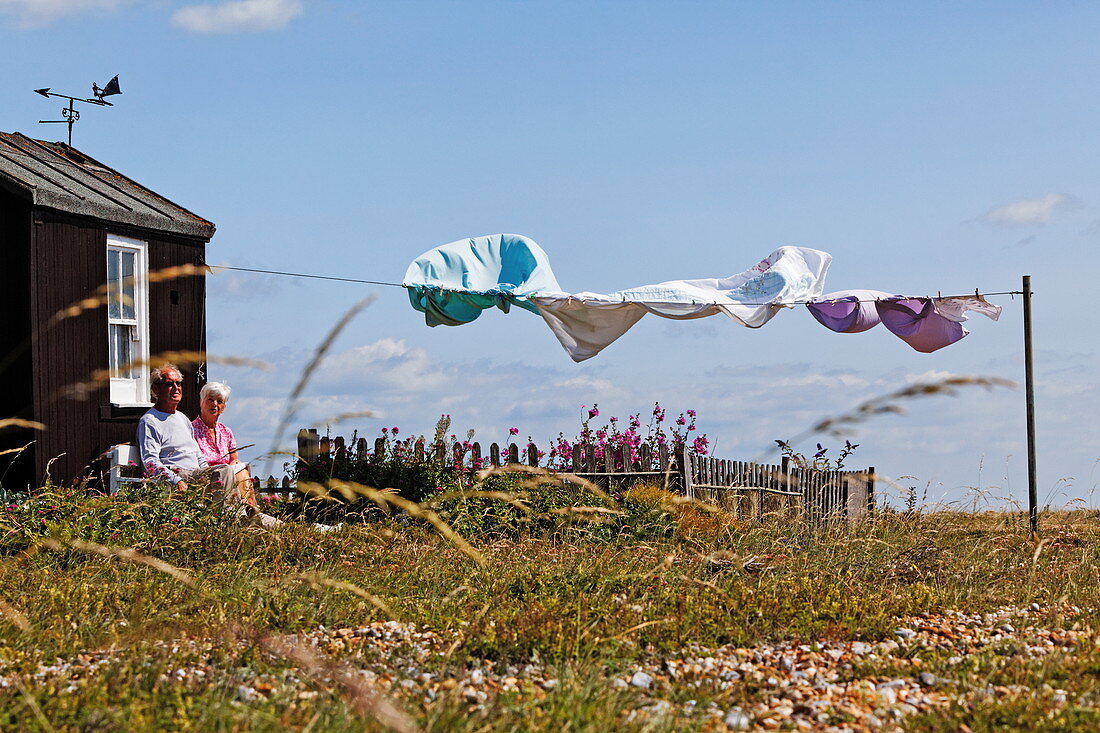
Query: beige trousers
{"x":222,"y":480}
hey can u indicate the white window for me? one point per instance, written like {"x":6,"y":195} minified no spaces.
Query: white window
{"x":128,"y":320}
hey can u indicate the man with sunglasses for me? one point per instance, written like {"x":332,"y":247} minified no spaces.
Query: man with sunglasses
{"x":167,"y":442}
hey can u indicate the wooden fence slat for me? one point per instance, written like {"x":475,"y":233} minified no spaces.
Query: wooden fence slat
{"x":532,"y":455}
{"x":339,"y":446}
{"x":494,"y":454}
{"x":513,"y":453}
{"x":475,"y":456}
{"x":307,"y":444}
{"x":590,"y":458}
{"x":578,"y":459}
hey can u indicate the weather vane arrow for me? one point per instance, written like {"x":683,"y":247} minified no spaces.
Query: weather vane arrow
{"x":70,"y":114}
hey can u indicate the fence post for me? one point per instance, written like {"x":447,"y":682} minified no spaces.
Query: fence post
{"x":532,"y":455}
{"x":870,"y":488}
{"x":494,"y":454}
{"x":513,"y":453}
{"x":686,"y":470}
{"x":308,"y":443}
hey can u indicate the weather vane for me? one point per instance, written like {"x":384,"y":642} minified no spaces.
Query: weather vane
{"x":71,"y":115}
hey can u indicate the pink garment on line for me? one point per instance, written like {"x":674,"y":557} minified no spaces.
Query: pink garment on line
{"x":926,"y":324}
{"x":849,"y":311}
{"x":917,"y":322}
{"x":217,"y":449}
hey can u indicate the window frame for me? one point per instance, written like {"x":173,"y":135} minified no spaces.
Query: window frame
{"x":135,"y":391}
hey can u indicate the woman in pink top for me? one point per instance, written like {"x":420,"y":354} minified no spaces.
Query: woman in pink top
{"x":216,"y":440}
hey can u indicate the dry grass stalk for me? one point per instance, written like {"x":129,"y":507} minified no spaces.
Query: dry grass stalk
{"x":890,"y":404}
{"x":386,"y":499}
{"x":363,"y":699}
{"x":636,"y":627}
{"x":344,"y":416}
{"x":16,"y":450}
{"x":16,"y":422}
{"x":537,"y":476}
{"x":84,"y":390}
{"x":316,"y":580}
{"x":105,"y":293}
{"x":503,"y":496}
{"x":15,"y":616}
{"x":322,"y":350}
{"x":122,"y":553}
{"x":592,"y":512}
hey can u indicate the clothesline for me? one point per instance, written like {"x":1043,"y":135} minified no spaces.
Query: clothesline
{"x":491,"y":292}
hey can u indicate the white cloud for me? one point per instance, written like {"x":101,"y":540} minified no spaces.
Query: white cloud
{"x":232,"y":16}
{"x":1031,"y":211}
{"x":43,"y":12}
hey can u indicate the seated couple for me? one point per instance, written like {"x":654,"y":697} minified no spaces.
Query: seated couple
{"x":179,"y":450}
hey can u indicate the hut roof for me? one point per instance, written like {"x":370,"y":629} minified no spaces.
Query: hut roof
{"x":56,"y":176}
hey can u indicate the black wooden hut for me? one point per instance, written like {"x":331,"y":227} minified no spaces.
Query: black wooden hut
{"x":72,"y":229}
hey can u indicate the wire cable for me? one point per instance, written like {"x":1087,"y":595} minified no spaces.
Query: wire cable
{"x":302,"y":274}
{"x":780,"y":303}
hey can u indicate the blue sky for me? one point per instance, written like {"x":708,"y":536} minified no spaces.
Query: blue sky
{"x":929,"y":147}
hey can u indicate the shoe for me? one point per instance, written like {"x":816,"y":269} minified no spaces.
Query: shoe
{"x":269,"y":522}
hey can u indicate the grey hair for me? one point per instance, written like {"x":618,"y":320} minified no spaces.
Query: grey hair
{"x":158,"y":372}
{"x":221,"y":389}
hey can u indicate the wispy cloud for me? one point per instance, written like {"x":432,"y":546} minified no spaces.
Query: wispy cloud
{"x":234,"y":16}
{"x":1026,"y":212}
{"x":35,"y":13}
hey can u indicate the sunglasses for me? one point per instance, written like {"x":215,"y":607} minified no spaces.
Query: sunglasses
{"x":170,"y":383}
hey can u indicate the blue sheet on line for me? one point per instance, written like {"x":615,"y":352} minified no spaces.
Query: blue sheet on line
{"x":454,"y":283}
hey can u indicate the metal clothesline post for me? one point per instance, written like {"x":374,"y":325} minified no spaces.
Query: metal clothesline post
{"x":1029,"y":396}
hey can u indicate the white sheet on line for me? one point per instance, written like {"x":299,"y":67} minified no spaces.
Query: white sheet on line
{"x":586,"y":323}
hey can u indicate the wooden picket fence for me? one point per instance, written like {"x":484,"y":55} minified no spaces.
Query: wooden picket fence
{"x":750,"y":490}
{"x":753,"y":490}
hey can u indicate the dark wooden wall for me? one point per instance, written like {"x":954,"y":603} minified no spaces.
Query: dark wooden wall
{"x":70,"y":263}
{"x":15,"y":353}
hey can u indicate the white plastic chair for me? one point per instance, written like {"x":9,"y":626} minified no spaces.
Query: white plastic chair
{"x":119,"y":458}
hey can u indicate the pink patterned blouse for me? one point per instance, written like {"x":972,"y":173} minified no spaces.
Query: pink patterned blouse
{"x":216,"y":449}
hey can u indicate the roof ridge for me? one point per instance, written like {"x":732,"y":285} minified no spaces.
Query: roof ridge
{"x":61,"y":177}
{"x":123,"y":176}
{"x":74,"y":179}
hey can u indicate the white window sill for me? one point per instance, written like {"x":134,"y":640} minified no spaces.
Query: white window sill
{"x":146,"y":405}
